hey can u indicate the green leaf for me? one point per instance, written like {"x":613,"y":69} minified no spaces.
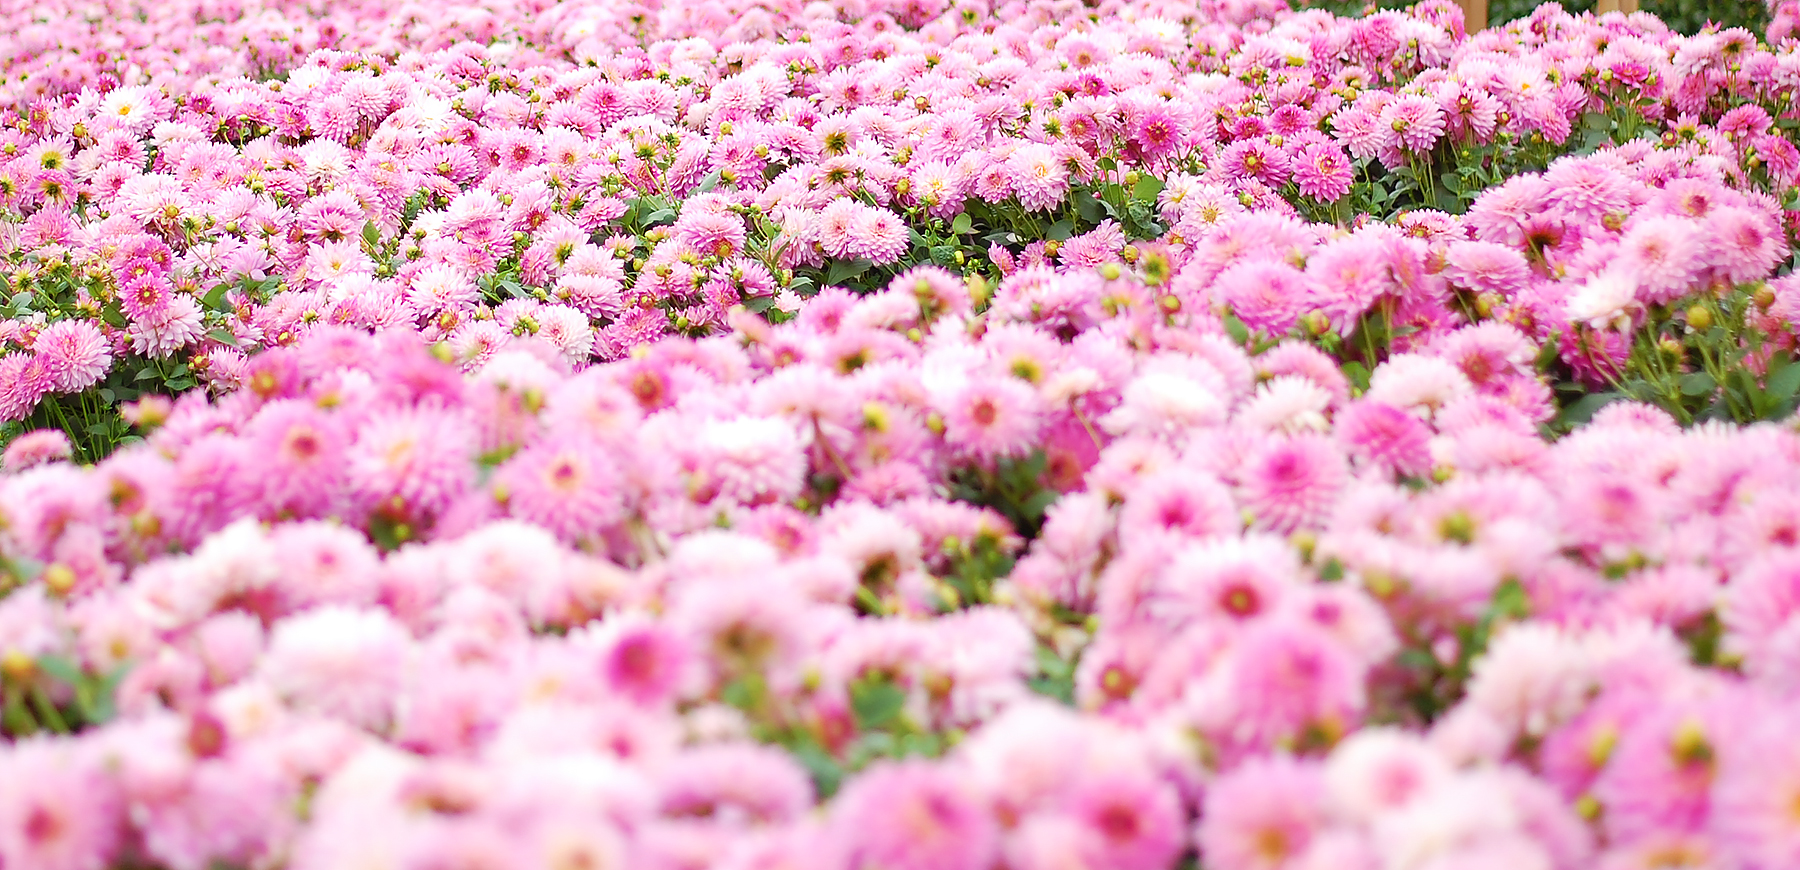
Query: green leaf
{"x":876,"y":703}
{"x":223,"y":336}
{"x":846,"y":270}
{"x":61,"y":668}
{"x":215,"y":298}
{"x":1148,"y":187}
{"x":1784,"y":383}
{"x":1698,"y":384}
{"x":1582,"y":410}
{"x":371,"y":235}
{"x":1240,"y":332}
{"x":826,"y":773}
{"x":1060,"y":230}
{"x":1086,"y":206}
{"x":962,"y":225}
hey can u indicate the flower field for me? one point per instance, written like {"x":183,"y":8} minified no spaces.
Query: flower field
{"x":896,"y":435}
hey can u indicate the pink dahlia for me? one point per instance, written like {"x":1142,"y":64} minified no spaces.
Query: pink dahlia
{"x":914,"y":815}
{"x":1262,"y":815}
{"x":58,"y":810}
{"x":568,"y":485}
{"x":74,"y":353}
{"x":1291,"y":484}
{"x":992,"y":417}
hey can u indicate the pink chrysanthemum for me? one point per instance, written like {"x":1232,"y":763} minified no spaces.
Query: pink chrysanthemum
{"x":1661,"y":779}
{"x":36,"y":448}
{"x":343,"y":662}
{"x":1291,"y":483}
{"x":301,"y":450}
{"x":1666,"y":254}
{"x":75,"y":354}
{"x":914,"y":815}
{"x":58,"y":810}
{"x":1288,"y":676}
{"x":1267,"y":296}
{"x":411,"y":464}
{"x":642,"y":659}
{"x":567,"y":485}
{"x":1135,"y":821}
{"x":836,"y":226}
{"x":992,"y":417}
{"x":1322,"y":171}
{"x":1747,"y":243}
{"x":1195,"y":505}
{"x":23,"y":381}
{"x":879,"y":236}
{"x":1262,"y":815}
{"x":1757,"y":794}
{"x":1486,"y":267}
{"x":1383,"y":436}
{"x":1158,"y":132}
{"x":1416,"y":122}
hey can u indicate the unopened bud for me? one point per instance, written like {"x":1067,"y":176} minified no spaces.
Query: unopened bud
{"x":59,"y":579}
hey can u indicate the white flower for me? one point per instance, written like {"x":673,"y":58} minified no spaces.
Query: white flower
{"x":1604,"y":299}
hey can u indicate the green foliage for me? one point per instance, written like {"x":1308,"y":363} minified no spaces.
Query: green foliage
{"x":1013,"y":487}
{"x":1686,"y":16}
{"x":880,"y":727}
{"x":1701,"y":358}
{"x":1431,"y":682}
{"x":1055,"y":677}
{"x":53,"y":694}
{"x":961,"y":244}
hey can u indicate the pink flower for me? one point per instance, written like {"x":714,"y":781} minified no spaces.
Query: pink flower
{"x":301,"y":449}
{"x":74,"y":353}
{"x":1661,"y":779}
{"x":36,"y":448}
{"x":411,"y":464}
{"x":914,"y":815}
{"x":24,"y":379}
{"x":1758,"y":785}
{"x":1291,"y":483}
{"x":1134,"y":822}
{"x":566,"y":484}
{"x":1747,"y":243}
{"x":1385,"y":437}
{"x":1288,"y":676}
{"x":642,"y":659}
{"x":1666,"y":254}
{"x":1416,"y":122}
{"x":879,"y":236}
{"x":59,"y":810}
{"x":339,"y":661}
{"x":1322,"y":171}
{"x":989,"y":418}
{"x":1267,"y":296}
{"x":1262,"y":815}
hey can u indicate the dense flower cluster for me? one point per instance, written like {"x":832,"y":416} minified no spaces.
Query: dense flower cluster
{"x":600,"y":596}
{"x":191,"y":188}
{"x":915,"y":436}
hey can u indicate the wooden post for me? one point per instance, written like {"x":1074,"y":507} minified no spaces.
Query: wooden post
{"x":1475,"y":14}
{"x":1626,"y":6}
